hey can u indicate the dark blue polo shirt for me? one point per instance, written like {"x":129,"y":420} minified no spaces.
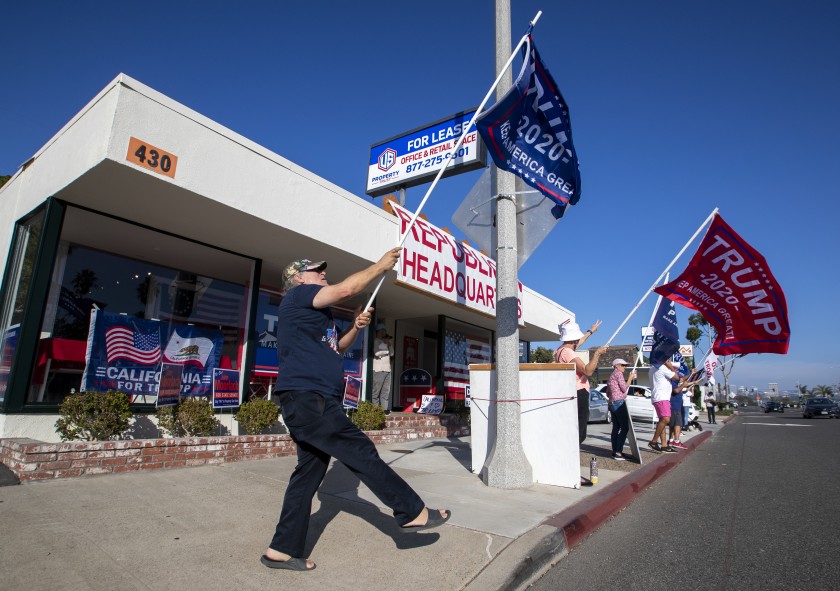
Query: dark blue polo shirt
{"x":307,"y":345}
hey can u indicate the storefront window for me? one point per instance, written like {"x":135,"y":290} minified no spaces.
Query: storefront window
{"x":265,"y":367}
{"x":19,"y":271}
{"x":463,"y":344}
{"x":188,"y":299}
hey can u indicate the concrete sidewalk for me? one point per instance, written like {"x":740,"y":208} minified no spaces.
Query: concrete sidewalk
{"x":206,"y":527}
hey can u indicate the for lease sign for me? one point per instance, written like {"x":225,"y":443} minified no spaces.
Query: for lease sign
{"x":435,"y":262}
{"x":416,"y":157}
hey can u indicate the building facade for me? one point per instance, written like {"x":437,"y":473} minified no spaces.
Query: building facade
{"x":142,"y":213}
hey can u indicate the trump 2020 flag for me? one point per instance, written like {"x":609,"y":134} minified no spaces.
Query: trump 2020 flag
{"x":730,"y":284}
{"x":666,"y":336}
{"x":528,"y":132}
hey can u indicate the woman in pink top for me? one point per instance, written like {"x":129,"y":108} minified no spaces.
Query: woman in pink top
{"x":617,"y":393}
{"x":572,"y":339}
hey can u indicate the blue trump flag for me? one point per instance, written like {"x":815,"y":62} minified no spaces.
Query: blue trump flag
{"x":666,"y":336}
{"x":528,"y":132}
{"x":679,"y":362}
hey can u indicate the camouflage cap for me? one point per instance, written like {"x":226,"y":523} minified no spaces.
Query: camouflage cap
{"x":300,"y":266}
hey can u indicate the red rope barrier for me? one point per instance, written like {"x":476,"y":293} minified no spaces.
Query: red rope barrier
{"x":524,"y":399}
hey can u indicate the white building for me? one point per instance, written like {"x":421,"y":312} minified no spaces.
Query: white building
{"x":140,"y":206}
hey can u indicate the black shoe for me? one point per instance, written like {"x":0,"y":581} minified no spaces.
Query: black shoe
{"x":669,"y":450}
{"x":654,"y":445}
{"x":387,"y":412}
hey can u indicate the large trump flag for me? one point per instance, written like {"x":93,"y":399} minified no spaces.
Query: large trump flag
{"x":730,"y":284}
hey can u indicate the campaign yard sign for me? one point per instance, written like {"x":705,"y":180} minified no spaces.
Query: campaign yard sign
{"x":225,"y":388}
{"x":431,"y":404}
{"x":352,"y":392}
{"x":169,"y":390}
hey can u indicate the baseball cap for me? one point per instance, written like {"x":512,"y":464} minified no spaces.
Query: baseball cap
{"x":299,"y":266}
{"x":619,"y":361}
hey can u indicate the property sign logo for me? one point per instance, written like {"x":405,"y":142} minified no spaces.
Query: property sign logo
{"x":387,"y":159}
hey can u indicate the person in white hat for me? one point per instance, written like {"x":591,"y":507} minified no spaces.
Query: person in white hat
{"x":573,"y":338}
{"x":617,"y":389}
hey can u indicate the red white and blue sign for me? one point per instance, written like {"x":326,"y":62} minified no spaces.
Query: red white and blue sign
{"x":225,"y":388}
{"x":352,"y":392}
{"x":414,"y":383}
{"x":169,"y":391}
{"x":417,"y":156}
{"x":123,"y":354}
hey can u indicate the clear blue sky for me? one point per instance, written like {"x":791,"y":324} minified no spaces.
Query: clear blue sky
{"x":676,"y":108}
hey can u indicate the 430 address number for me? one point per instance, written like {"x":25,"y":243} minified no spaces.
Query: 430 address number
{"x":151,"y":157}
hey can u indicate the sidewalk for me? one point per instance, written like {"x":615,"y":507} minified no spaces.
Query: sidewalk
{"x":206,"y":527}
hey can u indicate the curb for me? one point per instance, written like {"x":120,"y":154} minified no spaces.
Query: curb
{"x":583,"y":518}
{"x":528,"y":557}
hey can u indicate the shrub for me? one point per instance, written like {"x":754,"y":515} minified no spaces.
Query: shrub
{"x":195,"y":417}
{"x":256,"y":415}
{"x":368,"y":417}
{"x":459,"y":408}
{"x":192,"y":417}
{"x":93,"y":416}
{"x":167,"y":417}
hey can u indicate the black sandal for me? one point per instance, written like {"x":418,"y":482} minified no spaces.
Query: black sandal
{"x":435,"y":519}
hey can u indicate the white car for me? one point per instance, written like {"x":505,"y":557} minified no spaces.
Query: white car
{"x":639,"y":404}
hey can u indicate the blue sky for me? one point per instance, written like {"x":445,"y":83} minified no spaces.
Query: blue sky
{"x":676,"y":108}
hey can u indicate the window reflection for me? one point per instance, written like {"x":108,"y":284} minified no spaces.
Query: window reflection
{"x":133,"y":277}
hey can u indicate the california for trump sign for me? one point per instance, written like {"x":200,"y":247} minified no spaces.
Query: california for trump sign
{"x":123,"y":353}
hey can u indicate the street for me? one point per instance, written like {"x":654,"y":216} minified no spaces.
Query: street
{"x":755,"y":507}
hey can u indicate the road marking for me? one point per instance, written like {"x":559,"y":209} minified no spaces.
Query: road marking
{"x":778,"y":424}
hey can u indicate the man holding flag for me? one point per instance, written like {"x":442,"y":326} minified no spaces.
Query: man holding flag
{"x":666,"y":342}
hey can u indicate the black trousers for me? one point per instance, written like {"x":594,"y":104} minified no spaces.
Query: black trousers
{"x":583,"y":413}
{"x":620,"y":428}
{"x":322,"y":431}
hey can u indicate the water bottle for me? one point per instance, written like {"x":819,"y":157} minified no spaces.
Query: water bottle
{"x":593,"y":470}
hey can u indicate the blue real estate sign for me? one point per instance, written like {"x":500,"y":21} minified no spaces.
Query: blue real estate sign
{"x":416,"y":157}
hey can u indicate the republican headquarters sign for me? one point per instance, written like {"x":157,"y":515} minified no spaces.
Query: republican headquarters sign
{"x":416,"y":157}
{"x":433,"y":261}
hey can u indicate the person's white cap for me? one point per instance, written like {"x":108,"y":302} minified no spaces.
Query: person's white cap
{"x":620,"y":361}
{"x":570,"y":332}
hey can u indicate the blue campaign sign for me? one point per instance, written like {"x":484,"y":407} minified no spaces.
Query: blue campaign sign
{"x":225,"y":388}
{"x":416,"y":157}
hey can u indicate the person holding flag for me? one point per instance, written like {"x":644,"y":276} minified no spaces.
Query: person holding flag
{"x":310,"y":384}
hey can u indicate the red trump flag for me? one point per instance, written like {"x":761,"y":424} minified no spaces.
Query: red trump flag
{"x":729,"y":282}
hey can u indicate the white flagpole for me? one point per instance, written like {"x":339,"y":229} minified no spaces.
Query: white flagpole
{"x":658,"y":279}
{"x":650,"y":323}
{"x":455,"y":149}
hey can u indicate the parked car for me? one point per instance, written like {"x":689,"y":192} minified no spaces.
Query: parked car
{"x":819,"y":406}
{"x":773,"y":406}
{"x":639,"y":404}
{"x":599,"y":411}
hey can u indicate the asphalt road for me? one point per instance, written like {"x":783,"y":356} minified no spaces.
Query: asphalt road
{"x":755,"y":507}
